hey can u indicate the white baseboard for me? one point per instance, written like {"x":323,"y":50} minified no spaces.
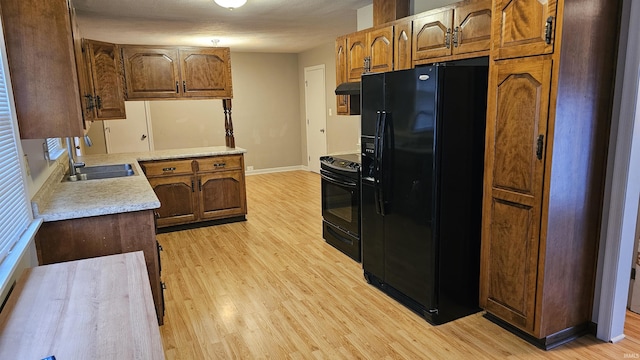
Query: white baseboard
{"x":276,"y":170}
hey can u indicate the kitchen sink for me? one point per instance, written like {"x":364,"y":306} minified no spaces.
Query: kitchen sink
{"x":101,"y":172}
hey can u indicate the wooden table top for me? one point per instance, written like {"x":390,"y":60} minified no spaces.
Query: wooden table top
{"x":99,"y":308}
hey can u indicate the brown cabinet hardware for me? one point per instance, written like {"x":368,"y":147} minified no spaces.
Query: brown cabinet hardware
{"x":539,"y":147}
{"x":548,"y":29}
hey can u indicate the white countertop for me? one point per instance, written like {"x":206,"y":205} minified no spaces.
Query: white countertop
{"x":62,"y":200}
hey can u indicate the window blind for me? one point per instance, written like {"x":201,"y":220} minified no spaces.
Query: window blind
{"x":15,"y":215}
{"x":54,"y":148}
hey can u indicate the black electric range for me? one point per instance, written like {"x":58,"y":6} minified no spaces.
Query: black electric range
{"x":341,"y":202}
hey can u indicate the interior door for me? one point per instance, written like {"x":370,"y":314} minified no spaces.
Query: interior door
{"x":315,"y":105}
{"x":132,"y":134}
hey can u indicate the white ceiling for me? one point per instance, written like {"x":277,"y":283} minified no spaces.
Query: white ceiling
{"x":285,"y":26}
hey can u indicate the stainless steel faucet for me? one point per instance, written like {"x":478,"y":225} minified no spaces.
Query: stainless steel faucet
{"x":73,"y":165}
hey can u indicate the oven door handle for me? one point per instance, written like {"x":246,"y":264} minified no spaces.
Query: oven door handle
{"x":338,"y":182}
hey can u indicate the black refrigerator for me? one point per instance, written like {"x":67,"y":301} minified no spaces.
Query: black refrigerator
{"x":421,"y":186}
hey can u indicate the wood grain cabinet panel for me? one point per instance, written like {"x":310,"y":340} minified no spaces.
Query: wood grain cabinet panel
{"x":82,"y":68}
{"x":520,"y":27}
{"x":380,"y":49}
{"x":460,"y":31}
{"x":200,"y":189}
{"x":42,"y":64}
{"x":356,"y":52}
{"x":376,"y":45}
{"x":151,"y":72}
{"x":222,"y":194}
{"x":432,"y":35}
{"x":517,"y":117}
{"x":548,"y":117}
{"x":403,"y":38}
{"x":472,"y":27}
{"x":206,"y":72}
{"x":177,"y":199}
{"x":342,"y":101}
{"x":106,"y":79}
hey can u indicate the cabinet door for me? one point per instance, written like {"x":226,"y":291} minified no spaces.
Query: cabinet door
{"x":402,"y":46}
{"x":472,"y":27}
{"x":517,"y":116}
{"x":432,"y":35}
{"x":206,"y":72}
{"x":106,"y":77}
{"x":342,"y":101}
{"x":151,"y":72}
{"x":380,"y":49}
{"x":356,"y":52}
{"x":520,"y":27}
{"x":43,"y":70}
{"x":222,"y":194}
{"x":82,"y":68}
{"x":177,"y":199}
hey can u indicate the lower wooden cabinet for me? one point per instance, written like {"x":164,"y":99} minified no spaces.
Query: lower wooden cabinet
{"x":84,"y":238}
{"x":177,"y":196}
{"x":199,"y":189}
{"x":222,"y":194}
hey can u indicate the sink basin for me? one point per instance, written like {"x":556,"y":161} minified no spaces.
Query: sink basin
{"x":101,"y":172}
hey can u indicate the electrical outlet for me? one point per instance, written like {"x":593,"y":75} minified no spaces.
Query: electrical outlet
{"x":330,"y":112}
{"x":249,"y":168}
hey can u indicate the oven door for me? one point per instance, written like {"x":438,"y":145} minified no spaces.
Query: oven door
{"x":340,"y":202}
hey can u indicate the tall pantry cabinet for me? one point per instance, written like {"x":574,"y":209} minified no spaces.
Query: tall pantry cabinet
{"x":548,"y":117}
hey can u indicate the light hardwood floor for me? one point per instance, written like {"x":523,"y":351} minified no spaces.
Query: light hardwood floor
{"x":271,"y":288}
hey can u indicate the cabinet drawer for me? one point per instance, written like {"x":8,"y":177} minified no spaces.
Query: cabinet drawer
{"x":220,"y":163}
{"x":174,"y":167}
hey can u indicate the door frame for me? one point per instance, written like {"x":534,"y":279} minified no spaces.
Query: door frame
{"x":306,"y":110}
{"x":620,"y":208}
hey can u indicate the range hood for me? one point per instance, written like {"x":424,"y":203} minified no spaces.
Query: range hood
{"x":348,"y":88}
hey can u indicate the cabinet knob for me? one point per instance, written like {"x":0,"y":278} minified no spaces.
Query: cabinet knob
{"x":219,"y":165}
{"x":167,"y":169}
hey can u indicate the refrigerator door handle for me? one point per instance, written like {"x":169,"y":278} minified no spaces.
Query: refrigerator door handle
{"x":381,"y":172}
{"x":376,"y":164}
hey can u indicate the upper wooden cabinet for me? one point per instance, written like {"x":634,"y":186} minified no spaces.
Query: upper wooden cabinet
{"x":42,"y":66}
{"x":523,"y":27}
{"x":472,"y":27}
{"x":463,"y":28}
{"x":105,"y":67}
{"x":82,"y":68}
{"x":432,"y":35}
{"x":206,"y":72}
{"x":402,"y":49}
{"x":151,"y":72}
{"x":342,"y":101}
{"x":167,"y":72}
{"x":373,"y":46}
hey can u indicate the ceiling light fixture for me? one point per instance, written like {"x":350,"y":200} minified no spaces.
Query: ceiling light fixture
{"x":230,"y":4}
